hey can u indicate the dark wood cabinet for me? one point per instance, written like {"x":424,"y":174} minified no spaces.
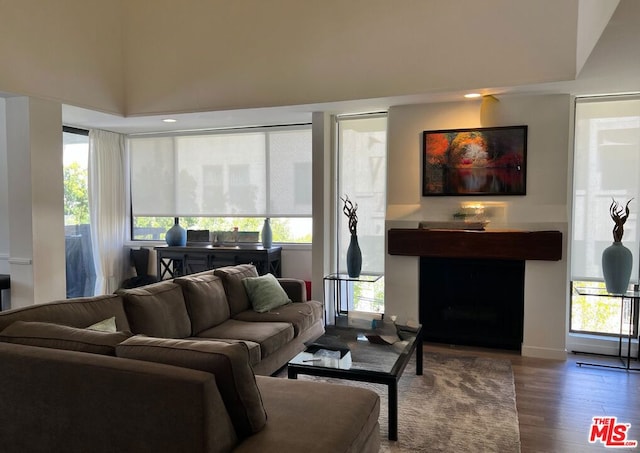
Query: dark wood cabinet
{"x":177,"y":261}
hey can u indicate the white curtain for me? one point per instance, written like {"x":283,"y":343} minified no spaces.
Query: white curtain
{"x":107,"y":205}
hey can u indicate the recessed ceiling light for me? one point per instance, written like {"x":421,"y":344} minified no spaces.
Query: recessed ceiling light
{"x":472,"y":95}
{"x":169,"y":120}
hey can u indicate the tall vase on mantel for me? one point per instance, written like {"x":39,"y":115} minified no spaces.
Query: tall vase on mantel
{"x":176,"y":236}
{"x":354,"y":258}
{"x":617,"y":260}
{"x":267,"y":234}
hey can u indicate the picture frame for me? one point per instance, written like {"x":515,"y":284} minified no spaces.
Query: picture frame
{"x":476,"y":161}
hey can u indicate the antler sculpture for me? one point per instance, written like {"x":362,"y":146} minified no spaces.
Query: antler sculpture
{"x":349,"y":210}
{"x":619,"y":216}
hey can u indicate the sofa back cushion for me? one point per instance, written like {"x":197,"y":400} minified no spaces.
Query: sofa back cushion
{"x":232,"y":279}
{"x":79,"y":312}
{"x":229,"y":362}
{"x":157,"y":310}
{"x":205,"y":299}
{"x":56,"y":336}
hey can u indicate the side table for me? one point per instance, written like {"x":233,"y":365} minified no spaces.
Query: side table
{"x":338,"y":287}
{"x":630,"y":298}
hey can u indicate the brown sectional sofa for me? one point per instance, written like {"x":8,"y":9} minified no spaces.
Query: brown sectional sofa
{"x":181,"y":373}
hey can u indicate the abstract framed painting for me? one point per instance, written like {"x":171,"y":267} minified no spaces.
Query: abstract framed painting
{"x":480,"y":161}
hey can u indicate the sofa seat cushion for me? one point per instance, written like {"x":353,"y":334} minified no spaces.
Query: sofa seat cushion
{"x":228,"y":362}
{"x":205,"y":299}
{"x":271,"y":336}
{"x":338,"y":418}
{"x":57,"y":336}
{"x":265,"y":293}
{"x":232,"y":277}
{"x":301,"y":315}
{"x":157,"y":310}
{"x":254,"y":348}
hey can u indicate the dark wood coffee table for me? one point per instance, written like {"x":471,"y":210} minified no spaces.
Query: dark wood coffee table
{"x":369,"y":362}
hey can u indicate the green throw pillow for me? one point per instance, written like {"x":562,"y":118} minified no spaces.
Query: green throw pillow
{"x":265,"y":293}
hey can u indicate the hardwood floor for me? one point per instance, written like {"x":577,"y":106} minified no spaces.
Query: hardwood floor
{"x":557,"y":400}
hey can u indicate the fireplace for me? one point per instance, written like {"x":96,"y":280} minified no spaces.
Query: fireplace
{"x":477,"y":302}
{"x":465,"y":270}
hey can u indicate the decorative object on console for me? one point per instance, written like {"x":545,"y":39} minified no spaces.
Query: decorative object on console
{"x":197,"y":236}
{"x":481,"y":161}
{"x":354,"y":254}
{"x":267,"y":234}
{"x":176,"y":236}
{"x":454,"y":225}
{"x":617,"y":259}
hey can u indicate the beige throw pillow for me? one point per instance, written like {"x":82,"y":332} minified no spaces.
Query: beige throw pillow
{"x":106,"y":325}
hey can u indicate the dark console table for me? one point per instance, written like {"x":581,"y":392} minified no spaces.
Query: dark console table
{"x":177,"y":261}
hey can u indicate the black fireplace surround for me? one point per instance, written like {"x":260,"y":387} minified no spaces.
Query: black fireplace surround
{"x":477,"y":302}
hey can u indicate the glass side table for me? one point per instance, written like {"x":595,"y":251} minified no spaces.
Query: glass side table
{"x":628,"y":313}
{"x":340,"y":287}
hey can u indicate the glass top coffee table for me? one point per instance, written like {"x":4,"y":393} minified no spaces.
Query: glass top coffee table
{"x":363,"y":355}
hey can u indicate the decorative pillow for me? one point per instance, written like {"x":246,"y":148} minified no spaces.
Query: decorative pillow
{"x":106,"y":325}
{"x":265,"y":293}
{"x":57,"y":336}
{"x":229,"y":362}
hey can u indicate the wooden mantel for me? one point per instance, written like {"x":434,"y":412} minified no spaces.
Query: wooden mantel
{"x":488,"y":244}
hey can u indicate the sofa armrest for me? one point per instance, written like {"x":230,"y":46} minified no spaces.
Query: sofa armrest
{"x":295,"y":288}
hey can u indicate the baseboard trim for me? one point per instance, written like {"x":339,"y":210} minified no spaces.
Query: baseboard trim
{"x":544,"y":353}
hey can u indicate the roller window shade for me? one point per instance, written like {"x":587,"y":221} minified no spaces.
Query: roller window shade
{"x":606,"y":167}
{"x":264,"y":173}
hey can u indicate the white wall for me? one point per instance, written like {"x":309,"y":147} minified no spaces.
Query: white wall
{"x":35,"y":201}
{"x":4,"y":190}
{"x":543,"y":208}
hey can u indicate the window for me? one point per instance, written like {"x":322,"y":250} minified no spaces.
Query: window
{"x":362,"y":174}
{"x":606,"y":166}
{"x":80,"y":270}
{"x":221,"y":180}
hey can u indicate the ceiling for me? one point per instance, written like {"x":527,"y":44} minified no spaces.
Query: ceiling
{"x":612,"y":67}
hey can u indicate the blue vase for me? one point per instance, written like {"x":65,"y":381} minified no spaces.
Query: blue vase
{"x":176,"y":236}
{"x":354,"y":258}
{"x":267,"y":234}
{"x":617,"y":262}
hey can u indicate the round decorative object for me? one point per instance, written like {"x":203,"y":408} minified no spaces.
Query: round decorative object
{"x":267,"y":235}
{"x":617,"y":262}
{"x":354,"y":258}
{"x":176,"y":236}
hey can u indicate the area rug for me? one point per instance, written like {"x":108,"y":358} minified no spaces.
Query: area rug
{"x":458,"y":404}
